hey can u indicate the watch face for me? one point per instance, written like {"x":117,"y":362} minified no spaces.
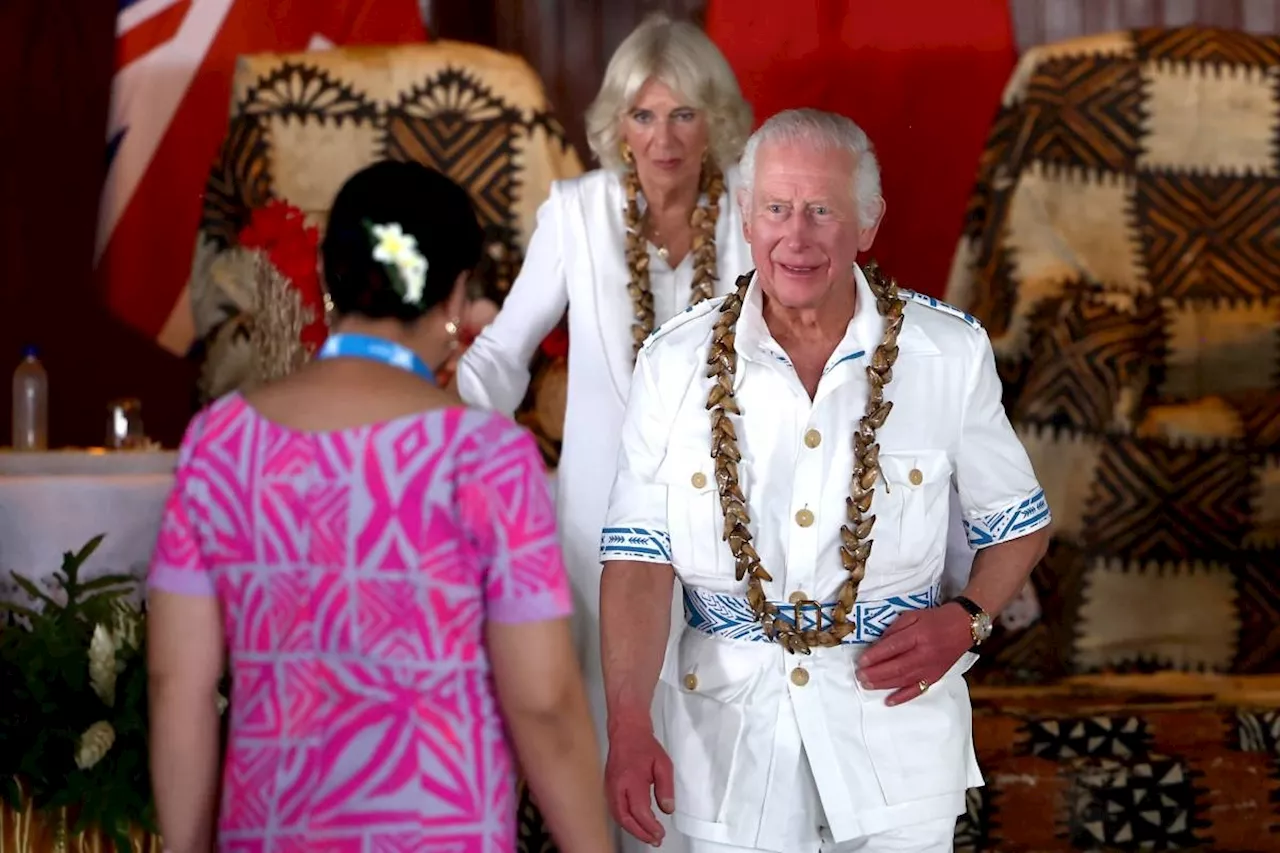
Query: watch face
{"x":981,"y":627}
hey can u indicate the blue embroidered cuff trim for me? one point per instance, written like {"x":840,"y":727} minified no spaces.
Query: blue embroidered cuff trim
{"x":730,"y":617}
{"x":635,"y":543}
{"x":1011,"y":523}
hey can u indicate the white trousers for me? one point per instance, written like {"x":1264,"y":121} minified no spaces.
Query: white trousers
{"x":806,"y":831}
{"x":935,"y":836}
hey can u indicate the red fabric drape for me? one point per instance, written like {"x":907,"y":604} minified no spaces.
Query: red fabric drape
{"x":922,"y":77}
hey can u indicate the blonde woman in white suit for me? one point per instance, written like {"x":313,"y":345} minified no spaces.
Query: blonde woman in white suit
{"x":653,"y":231}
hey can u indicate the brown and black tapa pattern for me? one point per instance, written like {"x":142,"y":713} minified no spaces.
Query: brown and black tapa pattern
{"x":302,"y":123}
{"x":1122,"y":248}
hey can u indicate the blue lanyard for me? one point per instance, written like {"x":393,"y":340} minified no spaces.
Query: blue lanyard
{"x":347,"y":345}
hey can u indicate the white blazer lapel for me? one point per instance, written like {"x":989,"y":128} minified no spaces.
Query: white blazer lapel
{"x":602,"y":275}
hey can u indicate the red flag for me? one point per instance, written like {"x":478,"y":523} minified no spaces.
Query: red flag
{"x":922,"y":77}
{"x":169,"y":111}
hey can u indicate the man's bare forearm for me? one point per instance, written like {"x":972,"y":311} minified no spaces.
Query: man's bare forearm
{"x":1000,"y":571}
{"x":635,"y":621}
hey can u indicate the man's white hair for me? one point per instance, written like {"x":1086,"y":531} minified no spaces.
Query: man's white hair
{"x":826,"y":131}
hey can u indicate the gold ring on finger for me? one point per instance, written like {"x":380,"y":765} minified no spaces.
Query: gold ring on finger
{"x":924,"y":686}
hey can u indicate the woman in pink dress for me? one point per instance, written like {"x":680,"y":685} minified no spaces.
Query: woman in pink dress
{"x":379,"y":567}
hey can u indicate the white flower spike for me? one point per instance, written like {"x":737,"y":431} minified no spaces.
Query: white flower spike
{"x":413,"y":272}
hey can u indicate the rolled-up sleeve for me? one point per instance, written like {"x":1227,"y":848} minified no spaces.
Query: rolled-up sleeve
{"x":1000,"y":498}
{"x":636,"y":523}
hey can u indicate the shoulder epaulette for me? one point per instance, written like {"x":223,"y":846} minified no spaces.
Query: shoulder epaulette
{"x":688,"y":315}
{"x":938,"y":305}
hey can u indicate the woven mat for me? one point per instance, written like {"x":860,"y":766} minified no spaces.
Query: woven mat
{"x":302,"y":123}
{"x":1164,"y":762}
{"x":1122,"y":248}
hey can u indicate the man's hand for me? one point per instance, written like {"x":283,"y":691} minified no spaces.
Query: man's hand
{"x":920,"y":645}
{"x":638,"y":764}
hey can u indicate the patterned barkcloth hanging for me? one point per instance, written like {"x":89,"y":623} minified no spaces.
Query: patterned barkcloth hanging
{"x":1123,"y":251}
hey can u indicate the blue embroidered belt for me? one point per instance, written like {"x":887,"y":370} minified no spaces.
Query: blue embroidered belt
{"x":729,"y":616}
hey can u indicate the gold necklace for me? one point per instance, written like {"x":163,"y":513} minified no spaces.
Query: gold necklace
{"x":703,"y":222}
{"x":656,"y":239}
{"x":855,"y":542}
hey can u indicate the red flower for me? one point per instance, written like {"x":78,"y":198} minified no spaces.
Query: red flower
{"x":281,"y":231}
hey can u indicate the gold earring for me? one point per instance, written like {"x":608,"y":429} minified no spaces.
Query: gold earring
{"x":452,"y":327}
{"x":628,"y":156}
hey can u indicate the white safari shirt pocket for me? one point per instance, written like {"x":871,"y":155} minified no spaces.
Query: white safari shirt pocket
{"x":694,"y":518}
{"x":705,"y":717}
{"x":912,"y":510}
{"x":923,"y":748}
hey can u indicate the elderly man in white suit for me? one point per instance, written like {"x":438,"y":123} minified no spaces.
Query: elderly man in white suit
{"x":772,"y":437}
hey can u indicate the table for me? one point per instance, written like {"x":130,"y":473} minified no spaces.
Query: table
{"x":56,"y":501}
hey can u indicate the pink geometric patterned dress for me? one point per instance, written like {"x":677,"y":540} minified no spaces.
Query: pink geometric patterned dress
{"x":356,"y":570}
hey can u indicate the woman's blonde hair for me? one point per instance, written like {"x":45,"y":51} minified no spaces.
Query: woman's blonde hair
{"x":681,"y":56}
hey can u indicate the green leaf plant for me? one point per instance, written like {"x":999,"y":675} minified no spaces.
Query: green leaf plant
{"x":73,"y":702}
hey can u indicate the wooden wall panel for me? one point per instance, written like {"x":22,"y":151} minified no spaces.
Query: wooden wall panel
{"x":1043,"y":21}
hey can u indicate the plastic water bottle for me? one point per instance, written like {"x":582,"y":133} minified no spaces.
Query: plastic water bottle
{"x":30,"y":403}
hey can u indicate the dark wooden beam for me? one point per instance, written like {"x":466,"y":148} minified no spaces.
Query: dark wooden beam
{"x":474,"y":21}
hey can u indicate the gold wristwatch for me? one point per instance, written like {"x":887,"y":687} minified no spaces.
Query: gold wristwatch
{"x":980,"y":624}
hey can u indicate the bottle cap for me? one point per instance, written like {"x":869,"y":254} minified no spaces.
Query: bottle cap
{"x":30,"y":351}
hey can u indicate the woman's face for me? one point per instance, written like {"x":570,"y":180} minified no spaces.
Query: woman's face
{"x":667,"y":137}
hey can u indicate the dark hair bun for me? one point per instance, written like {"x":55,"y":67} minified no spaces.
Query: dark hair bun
{"x":425,"y":204}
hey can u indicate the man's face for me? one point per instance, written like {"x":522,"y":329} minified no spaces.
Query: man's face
{"x":802,"y":222}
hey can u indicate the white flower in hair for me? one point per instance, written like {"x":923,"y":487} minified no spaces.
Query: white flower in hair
{"x":392,"y":243}
{"x":398,"y":250}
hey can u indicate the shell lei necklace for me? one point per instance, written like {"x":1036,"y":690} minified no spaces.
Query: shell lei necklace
{"x":703,"y":222}
{"x":855,"y":541}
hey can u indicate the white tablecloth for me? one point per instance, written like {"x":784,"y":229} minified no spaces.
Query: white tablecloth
{"x":55,"y":502}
